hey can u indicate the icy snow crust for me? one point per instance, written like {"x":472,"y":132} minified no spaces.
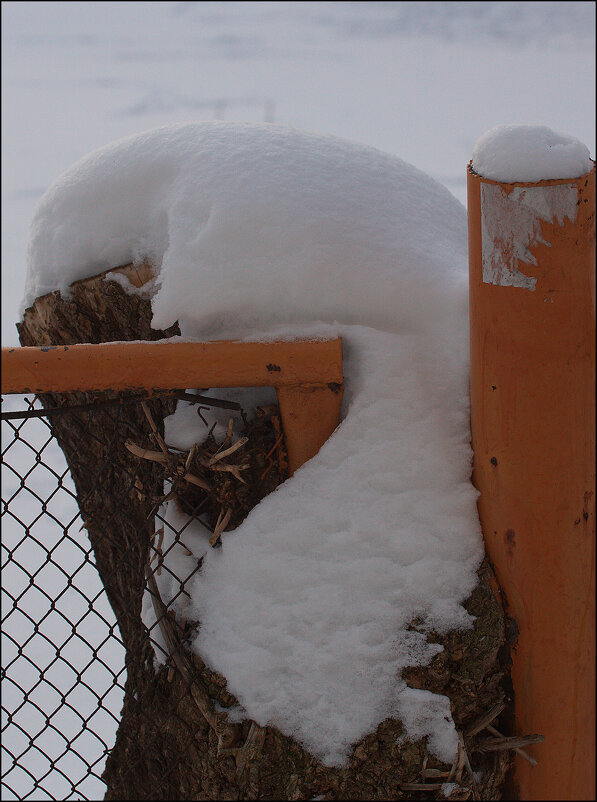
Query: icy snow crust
{"x":265,"y":232}
{"x":513,"y":153}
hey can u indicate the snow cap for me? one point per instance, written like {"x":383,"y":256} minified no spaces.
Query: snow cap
{"x":514,"y":153}
{"x":251,"y":224}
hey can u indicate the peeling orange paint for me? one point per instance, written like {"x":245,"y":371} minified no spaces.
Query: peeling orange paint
{"x":532,"y":312}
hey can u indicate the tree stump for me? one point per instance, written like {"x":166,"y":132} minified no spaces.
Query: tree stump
{"x":173,"y":740}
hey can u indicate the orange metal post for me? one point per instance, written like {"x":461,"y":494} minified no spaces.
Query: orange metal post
{"x":313,"y":412}
{"x":307,"y":375}
{"x":532,"y":310}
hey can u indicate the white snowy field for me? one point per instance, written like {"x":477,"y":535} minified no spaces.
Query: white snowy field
{"x":418,"y":80}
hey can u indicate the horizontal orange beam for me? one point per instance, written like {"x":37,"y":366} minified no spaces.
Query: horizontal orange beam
{"x":168,"y":365}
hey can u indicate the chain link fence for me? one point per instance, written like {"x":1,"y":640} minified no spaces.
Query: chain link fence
{"x":62,"y":656}
{"x":87,"y":707}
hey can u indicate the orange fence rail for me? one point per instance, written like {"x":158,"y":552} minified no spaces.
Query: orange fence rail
{"x":532,"y":308}
{"x":307,"y":375}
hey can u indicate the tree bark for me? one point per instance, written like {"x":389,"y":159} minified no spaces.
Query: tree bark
{"x":173,"y":740}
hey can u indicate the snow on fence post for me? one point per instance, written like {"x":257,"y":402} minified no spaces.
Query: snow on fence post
{"x":532,"y":318}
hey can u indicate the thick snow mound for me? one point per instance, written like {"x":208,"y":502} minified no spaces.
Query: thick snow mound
{"x":513,"y":153}
{"x":316,"y":589}
{"x":357,"y":230}
{"x":263,"y":232}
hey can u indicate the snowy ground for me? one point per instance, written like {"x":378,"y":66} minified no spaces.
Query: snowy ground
{"x":419,"y":80}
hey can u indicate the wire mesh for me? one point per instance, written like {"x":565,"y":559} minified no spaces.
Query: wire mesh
{"x":62,"y":658}
{"x":87,"y":710}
